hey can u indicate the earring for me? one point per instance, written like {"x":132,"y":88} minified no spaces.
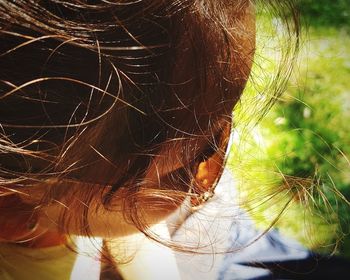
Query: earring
{"x":201,"y":192}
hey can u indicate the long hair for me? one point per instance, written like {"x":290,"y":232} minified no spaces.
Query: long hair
{"x":97,"y":98}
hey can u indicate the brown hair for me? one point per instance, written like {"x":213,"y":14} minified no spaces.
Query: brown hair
{"x":112,"y":93}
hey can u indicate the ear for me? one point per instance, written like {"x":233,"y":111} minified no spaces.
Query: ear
{"x":207,"y":175}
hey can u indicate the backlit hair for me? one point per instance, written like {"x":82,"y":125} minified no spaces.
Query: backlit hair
{"x":100,"y":94}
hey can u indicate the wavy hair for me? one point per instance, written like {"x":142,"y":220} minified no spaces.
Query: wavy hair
{"x":107,"y":95}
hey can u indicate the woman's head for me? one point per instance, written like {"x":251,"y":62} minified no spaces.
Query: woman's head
{"x":110,"y":106}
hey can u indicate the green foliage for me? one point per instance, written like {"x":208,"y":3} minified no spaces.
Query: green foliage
{"x":316,"y":113}
{"x":298,"y":158}
{"x":320,"y":13}
{"x":314,"y":133}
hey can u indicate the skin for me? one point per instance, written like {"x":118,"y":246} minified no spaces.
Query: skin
{"x":113,"y":224}
{"x":108,"y":224}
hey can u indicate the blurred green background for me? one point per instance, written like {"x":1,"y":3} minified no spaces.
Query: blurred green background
{"x":294,"y":166}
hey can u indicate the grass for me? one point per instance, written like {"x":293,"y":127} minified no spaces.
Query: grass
{"x":296,"y":161}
